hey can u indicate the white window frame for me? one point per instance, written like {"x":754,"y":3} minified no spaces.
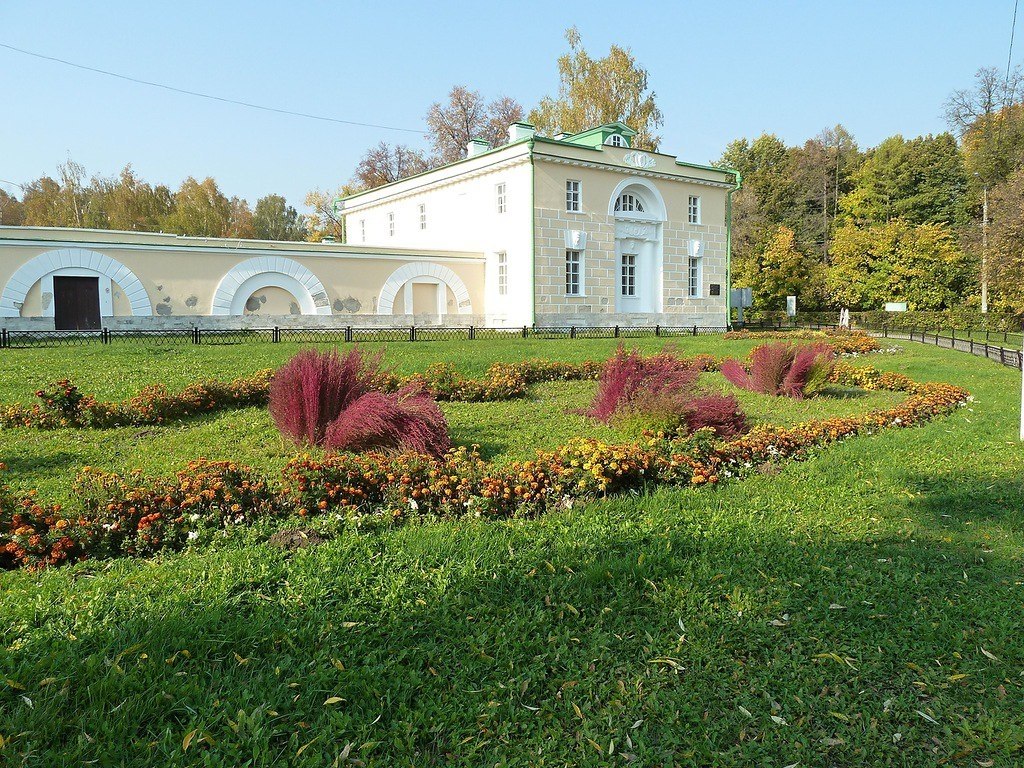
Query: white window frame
{"x":627,"y":275}
{"x":502,"y":261}
{"x":627,"y":202}
{"x":695,"y":277}
{"x":362,"y":229}
{"x":616,"y":140}
{"x":693,"y":209}
{"x":391,"y":223}
{"x":501,"y":196}
{"x":574,"y":259}
{"x":573,"y":196}
{"x":423,"y":215}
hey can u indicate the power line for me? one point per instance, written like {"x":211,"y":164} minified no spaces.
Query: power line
{"x":209,"y":96}
{"x":1009,"y":56}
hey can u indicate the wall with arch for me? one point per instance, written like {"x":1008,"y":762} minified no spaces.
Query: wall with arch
{"x":180,"y":282}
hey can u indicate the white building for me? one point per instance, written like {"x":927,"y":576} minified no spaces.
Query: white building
{"x":578,"y":229}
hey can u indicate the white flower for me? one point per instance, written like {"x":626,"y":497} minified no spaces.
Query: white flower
{"x":193,"y":535}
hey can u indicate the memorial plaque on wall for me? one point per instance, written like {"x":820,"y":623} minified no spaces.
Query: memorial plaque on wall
{"x":715,"y":289}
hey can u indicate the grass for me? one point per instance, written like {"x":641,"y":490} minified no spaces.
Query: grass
{"x":859,"y":608}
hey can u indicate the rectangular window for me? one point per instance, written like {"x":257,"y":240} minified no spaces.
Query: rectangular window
{"x":572,"y":196}
{"x":572,"y":273}
{"x":499,"y":192}
{"x":629,"y":274}
{"x":423,"y":216}
{"x":502,"y":273}
{"x":362,"y":229}
{"x":693,"y":283}
{"x":693,"y":209}
{"x":391,"y":224}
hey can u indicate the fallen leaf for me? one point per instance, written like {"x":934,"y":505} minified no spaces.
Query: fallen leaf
{"x":333,"y":700}
{"x":779,"y":720}
{"x":990,"y":655}
{"x":745,"y":712}
{"x":188,"y":740}
{"x":927,"y":717}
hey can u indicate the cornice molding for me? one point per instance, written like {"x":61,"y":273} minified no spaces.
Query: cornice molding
{"x":633,"y":171}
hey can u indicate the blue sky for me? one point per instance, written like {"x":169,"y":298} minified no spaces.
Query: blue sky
{"x":720,"y":71}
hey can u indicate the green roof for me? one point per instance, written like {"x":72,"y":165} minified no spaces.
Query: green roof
{"x":595,"y":137}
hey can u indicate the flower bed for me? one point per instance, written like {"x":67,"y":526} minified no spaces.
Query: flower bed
{"x":137,"y":515}
{"x":842,"y":342}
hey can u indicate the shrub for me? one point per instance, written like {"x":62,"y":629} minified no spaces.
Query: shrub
{"x":311,"y":390}
{"x":409,"y":419}
{"x":631,"y":384}
{"x":718,"y":412}
{"x":338,"y":403}
{"x":783,"y":370}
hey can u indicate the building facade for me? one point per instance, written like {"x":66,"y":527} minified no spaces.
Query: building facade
{"x":579,"y":229}
{"x":575,"y":230}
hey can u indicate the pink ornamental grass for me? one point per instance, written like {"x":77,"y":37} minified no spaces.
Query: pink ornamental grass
{"x":783,"y":370}
{"x":632,"y":383}
{"x":409,"y":419}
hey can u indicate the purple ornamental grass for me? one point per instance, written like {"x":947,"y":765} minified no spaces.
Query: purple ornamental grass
{"x":783,"y":370}
{"x":719,"y":412}
{"x":632,"y":383}
{"x":409,"y":419}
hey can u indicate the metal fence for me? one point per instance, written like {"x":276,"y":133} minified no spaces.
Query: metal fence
{"x":276,"y":335}
{"x":966,"y":342}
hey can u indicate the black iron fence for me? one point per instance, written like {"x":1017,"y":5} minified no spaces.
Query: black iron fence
{"x":106,"y":336}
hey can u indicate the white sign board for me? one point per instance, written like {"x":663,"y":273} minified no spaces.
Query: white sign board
{"x":791,"y":306}
{"x":895,"y":306}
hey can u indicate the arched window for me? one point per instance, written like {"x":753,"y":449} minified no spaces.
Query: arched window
{"x":628,"y":202}
{"x":616,"y":140}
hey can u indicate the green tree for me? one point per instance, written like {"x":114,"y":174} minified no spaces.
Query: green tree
{"x":274,"y":219}
{"x":594,"y":92}
{"x":781,"y":269}
{"x":200,"y":209}
{"x":922,"y":180}
{"x":922,"y":265}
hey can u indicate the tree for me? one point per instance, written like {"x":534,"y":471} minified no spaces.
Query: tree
{"x":323,"y":221}
{"x":131,"y":204}
{"x":594,"y":92}
{"x":384,"y":164}
{"x":274,"y":219}
{"x":12,"y":210}
{"x":822,"y":173}
{"x":465,"y":116}
{"x":989,"y":119}
{"x":921,"y":180}
{"x":779,"y":270}
{"x":898,"y":261}
{"x":200,"y":210}
{"x":240,"y":220}
{"x":1006,"y":247}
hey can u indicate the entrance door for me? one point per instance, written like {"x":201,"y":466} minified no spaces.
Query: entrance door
{"x":76,"y":303}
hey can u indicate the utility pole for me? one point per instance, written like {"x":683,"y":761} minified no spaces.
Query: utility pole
{"x":984,"y":251}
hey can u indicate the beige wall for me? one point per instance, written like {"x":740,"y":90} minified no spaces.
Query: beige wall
{"x":181,"y":281}
{"x":601,"y":265}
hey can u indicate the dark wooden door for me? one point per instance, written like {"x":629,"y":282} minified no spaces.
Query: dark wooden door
{"x":76,"y":303}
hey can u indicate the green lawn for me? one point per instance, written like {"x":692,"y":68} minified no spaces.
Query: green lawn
{"x":859,"y":608}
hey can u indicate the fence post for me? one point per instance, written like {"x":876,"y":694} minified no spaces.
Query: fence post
{"x":695,"y":330}
{"x":524,"y":331}
{"x":195,"y":334}
{"x":277,"y":335}
{"x":971,"y":342}
{"x":3,"y":339}
{"x":572,"y":332}
{"x":616,"y":331}
{"x":472,"y":333}
{"x":348,"y":333}
{"x":1002,"y":355}
{"x":412,"y":333}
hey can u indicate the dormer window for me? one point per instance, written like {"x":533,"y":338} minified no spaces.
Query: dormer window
{"x":616,"y":140}
{"x":628,"y":202}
